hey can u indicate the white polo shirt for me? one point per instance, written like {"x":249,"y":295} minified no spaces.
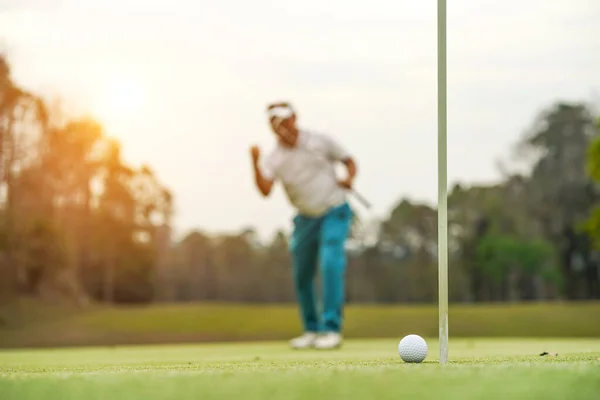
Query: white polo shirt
{"x":307,"y":173}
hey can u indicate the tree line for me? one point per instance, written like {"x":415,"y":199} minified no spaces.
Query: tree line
{"x":77,"y":221}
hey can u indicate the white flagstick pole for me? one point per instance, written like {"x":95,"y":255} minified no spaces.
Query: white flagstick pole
{"x":442,"y":184}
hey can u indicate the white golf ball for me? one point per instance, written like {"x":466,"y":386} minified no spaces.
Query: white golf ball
{"x":412,"y":349}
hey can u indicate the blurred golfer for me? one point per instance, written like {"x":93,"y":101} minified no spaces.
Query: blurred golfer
{"x":304,"y":163}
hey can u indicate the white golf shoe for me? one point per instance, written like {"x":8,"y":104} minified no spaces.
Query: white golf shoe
{"x":305,"y":341}
{"x":329,"y":340}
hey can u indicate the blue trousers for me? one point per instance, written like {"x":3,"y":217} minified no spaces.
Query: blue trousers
{"x":321,"y":242}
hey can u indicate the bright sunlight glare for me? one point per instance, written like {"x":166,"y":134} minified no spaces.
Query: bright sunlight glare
{"x":118,"y":103}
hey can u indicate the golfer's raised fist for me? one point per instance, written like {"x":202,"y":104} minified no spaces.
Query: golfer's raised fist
{"x":255,"y":153}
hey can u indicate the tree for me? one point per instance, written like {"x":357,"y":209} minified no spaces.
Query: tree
{"x":411,"y":227}
{"x":277,"y":270}
{"x":22,"y":118}
{"x":560,"y":193}
{"x":507,"y":261}
{"x":592,"y":225}
{"x":193,"y":274}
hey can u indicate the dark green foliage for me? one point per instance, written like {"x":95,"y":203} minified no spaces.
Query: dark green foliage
{"x":497,"y":255}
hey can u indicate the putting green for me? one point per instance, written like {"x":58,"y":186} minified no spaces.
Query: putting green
{"x":362,"y":369}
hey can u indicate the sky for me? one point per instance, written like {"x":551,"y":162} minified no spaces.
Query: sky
{"x":184,"y":86}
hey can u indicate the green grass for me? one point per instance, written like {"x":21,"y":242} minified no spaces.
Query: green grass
{"x":184,"y":323}
{"x":365,"y":369}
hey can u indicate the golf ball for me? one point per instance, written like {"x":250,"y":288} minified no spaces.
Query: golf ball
{"x":412,"y":349}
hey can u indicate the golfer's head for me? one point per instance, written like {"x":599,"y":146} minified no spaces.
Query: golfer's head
{"x":283,"y":123}
{"x":278,"y":124}
{"x":283,"y":129}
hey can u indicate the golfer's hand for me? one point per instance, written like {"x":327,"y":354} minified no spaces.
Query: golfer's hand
{"x":346,"y":183}
{"x":255,"y":154}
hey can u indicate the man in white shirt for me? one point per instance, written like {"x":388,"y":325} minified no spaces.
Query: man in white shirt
{"x":304,"y":163}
